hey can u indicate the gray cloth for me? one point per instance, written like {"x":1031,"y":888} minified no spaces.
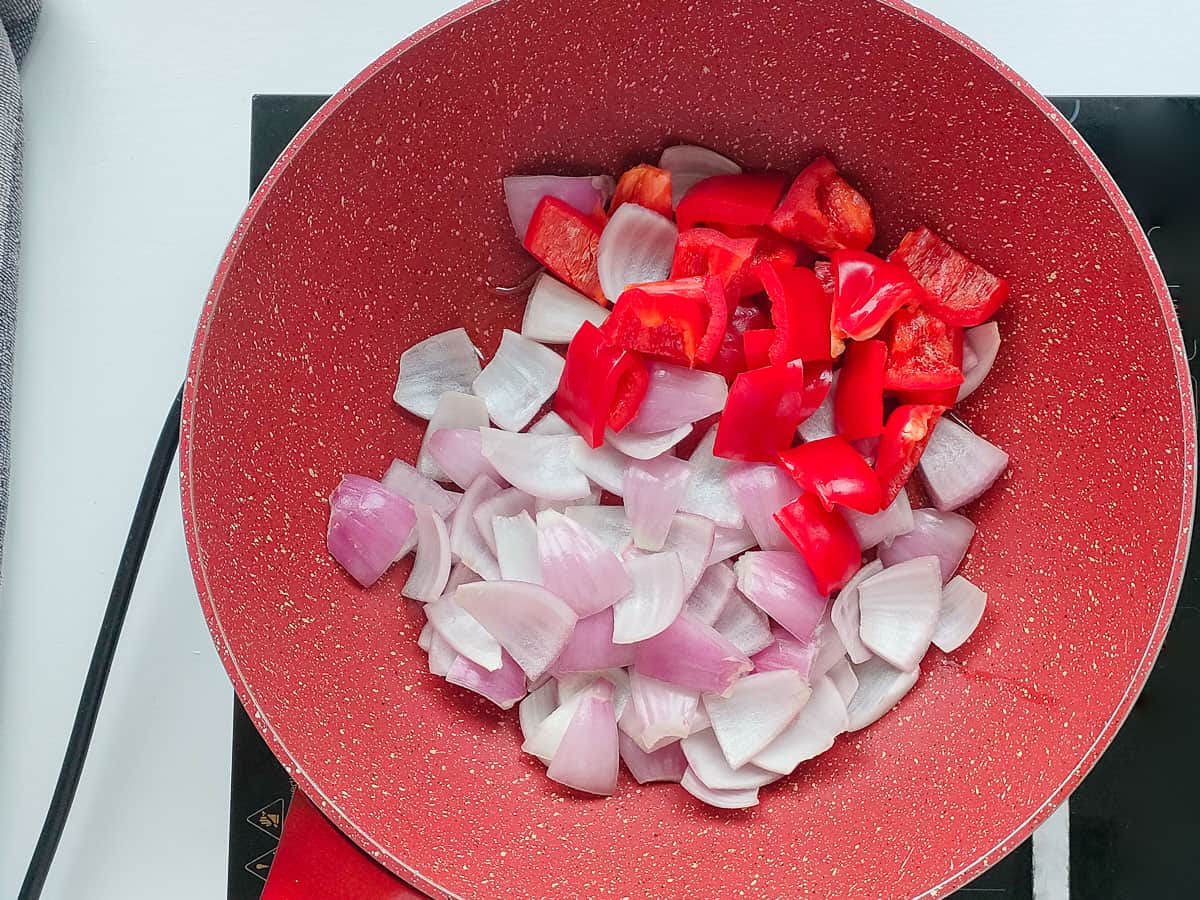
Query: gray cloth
{"x":19,"y":18}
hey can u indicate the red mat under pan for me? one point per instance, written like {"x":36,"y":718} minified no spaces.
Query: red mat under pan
{"x":384,"y":222}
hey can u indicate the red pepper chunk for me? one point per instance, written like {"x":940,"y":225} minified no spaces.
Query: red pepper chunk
{"x":921,"y":353}
{"x":905,"y":435}
{"x":822,"y":211}
{"x":818,"y":379}
{"x":960,"y":291}
{"x":647,"y":186}
{"x":566,"y":241}
{"x":867,"y":291}
{"x":835,"y":472}
{"x":706,"y":251}
{"x":599,"y":382}
{"x":756,"y":344}
{"x":731,"y":200}
{"x":858,"y":403}
{"x":824,"y":539}
{"x":761,"y":414}
{"x":945,"y":396}
{"x":678,"y":321}
{"x":801,"y":312}
{"x":730,"y":359}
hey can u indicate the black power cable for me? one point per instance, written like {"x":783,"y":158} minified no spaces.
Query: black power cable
{"x":102,"y":655}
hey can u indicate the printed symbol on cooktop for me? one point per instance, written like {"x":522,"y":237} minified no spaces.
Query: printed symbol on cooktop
{"x":261,"y":865}
{"x":269,"y":818}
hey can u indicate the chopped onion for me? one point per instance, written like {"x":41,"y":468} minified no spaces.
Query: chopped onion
{"x":523,"y":193}
{"x":881,"y":527}
{"x":403,"y":479}
{"x":528,"y":621}
{"x":504,"y":687}
{"x":604,"y":465}
{"x":593,"y":498}
{"x":637,"y":246}
{"x":830,"y":650}
{"x":587,"y":757}
{"x":720,"y":799}
{"x":646,"y":446}
{"x":591,"y":647}
{"x":664,"y":764}
{"x":429,"y":368}
{"x":689,"y":164}
{"x":880,"y":687}
{"x":425,"y":636}
{"x":692,"y":655}
{"x":457,"y":453}
{"x":431,"y":568}
{"x":760,"y":490}
{"x":517,"y":548}
{"x":756,"y":711}
{"x":459,"y":575}
{"x":453,"y":410}
{"x":677,"y":396}
{"x":608,"y":523}
{"x":551,"y":423}
{"x":899,"y":608}
{"x":441,"y":655}
{"x":518,"y":381}
{"x":462,"y":631}
{"x":945,"y":535}
{"x":538,"y":464}
{"x":537,"y":707}
{"x":958,"y":465}
{"x":369,"y":526}
{"x":692,"y":538}
{"x":577,"y":567}
{"x":711,"y":593}
{"x":652,"y":597}
{"x":844,"y":613}
{"x":708,"y":763}
{"x":729,"y":542}
{"x":574,"y":683}
{"x":508,"y":502}
{"x":653,"y":490}
{"x":962,"y":609}
{"x":843,"y":678}
{"x":665,"y":712}
{"x":820,"y":424}
{"x":708,"y":492}
{"x":983,"y":344}
{"x":785,"y":652}
{"x":745,"y":626}
{"x":545,"y":739}
{"x":465,"y":540}
{"x":780,"y":584}
{"x":554,"y":312}
{"x":810,"y":734}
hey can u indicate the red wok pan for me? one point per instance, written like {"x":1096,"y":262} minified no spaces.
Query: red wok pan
{"x":383,"y":222}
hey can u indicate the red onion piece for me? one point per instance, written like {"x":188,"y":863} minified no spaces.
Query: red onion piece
{"x":537,"y":707}
{"x":707,"y":762}
{"x":577,"y":567}
{"x":729,"y":542}
{"x":536,"y":463}
{"x":431,"y":568}
{"x":522,"y":194}
{"x":780,"y":584}
{"x":761,"y":490}
{"x":652,"y":599}
{"x":692,"y":655}
{"x":711,"y":593}
{"x":551,"y":423}
{"x":845,"y":615}
{"x":958,"y":465}
{"x":554,"y":312}
{"x":637,"y":246}
{"x":961,"y":612}
{"x":441,"y":656}
{"x":368,"y":527}
{"x":820,"y":424}
{"x":653,"y":490}
{"x":608,"y":523}
{"x":453,"y":410}
{"x":517,"y":548}
{"x":830,"y":650}
{"x":529,"y":622}
{"x":663,"y":712}
{"x":424,"y":637}
{"x":745,"y":626}
{"x":591,"y":647}
{"x":466,"y":543}
{"x":506,"y":503}
{"x":457,"y":454}
{"x":575,"y":683}
{"x":689,"y":165}
{"x":676,"y":397}
{"x":429,"y":368}
{"x":785,"y":652}
{"x":459,"y":575}
{"x":646,"y":446}
{"x":881,"y":527}
{"x":708,"y":492}
{"x":945,"y":535}
{"x":403,"y":479}
{"x":545,"y":739}
{"x":593,"y":498}
{"x":587,"y":757}
{"x":720,"y":799}
{"x":810,"y":734}
{"x":880,"y":688}
{"x":463,"y":632}
{"x":504,"y":687}
{"x":981,"y":345}
{"x":518,"y":381}
{"x":664,"y":764}
{"x":756,"y":711}
{"x":604,"y":465}
{"x":692,"y":538}
{"x":843,"y":678}
{"x":899,"y":608}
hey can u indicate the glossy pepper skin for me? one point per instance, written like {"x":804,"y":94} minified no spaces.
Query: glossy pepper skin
{"x":905,"y":435}
{"x":566,"y":241}
{"x":960,"y":291}
{"x":599,"y":383}
{"x":858,"y":403}
{"x":707,"y":251}
{"x":756,"y":344}
{"x":834,"y":472}
{"x":678,"y":321}
{"x":921,"y":353}
{"x":867,"y":290}
{"x":824,"y":539}
{"x":822,"y":211}
{"x":647,"y":186}
{"x":801,"y":311}
{"x":761,"y":414}
{"x":945,"y":396}
{"x":731,"y":200}
{"x":730,"y":359}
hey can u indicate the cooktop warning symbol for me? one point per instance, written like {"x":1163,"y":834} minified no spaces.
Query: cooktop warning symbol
{"x":261,"y":865}
{"x":269,"y":818}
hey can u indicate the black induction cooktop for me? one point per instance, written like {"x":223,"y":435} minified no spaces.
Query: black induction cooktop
{"x":1134,"y":823}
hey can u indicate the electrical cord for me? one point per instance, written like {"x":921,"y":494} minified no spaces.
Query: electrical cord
{"x":102,"y":655}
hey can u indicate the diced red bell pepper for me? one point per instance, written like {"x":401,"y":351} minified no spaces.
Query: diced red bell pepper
{"x":679,"y":321}
{"x":706,"y":251}
{"x":599,"y":382}
{"x":730,"y":358}
{"x":904,"y":438}
{"x":647,"y":186}
{"x":920,"y":353}
{"x":824,"y":539}
{"x":822,"y":211}
{"x":858,"y":403}
{"x":867,"y":290}
{"x":801,"y":312}
{"x":746,"y":315}
{"x":756,"y":343}
{"x":566,"y":241}
{"x":818,"y":379}
{"x":761,"y":414}
{"x":960,"y":291}
{"x":945,"y":396}
{"x":835,"y":472}
{"x":731,"y":200}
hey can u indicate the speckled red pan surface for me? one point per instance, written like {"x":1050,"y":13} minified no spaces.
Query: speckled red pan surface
{"x":384,"y":222}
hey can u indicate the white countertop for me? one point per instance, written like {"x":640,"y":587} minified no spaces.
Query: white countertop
{"x":137,"y":117}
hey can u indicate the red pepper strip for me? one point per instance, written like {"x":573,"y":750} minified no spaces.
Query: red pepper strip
{"x":598,"y":379}
{"x":867,"y":291}
{"x":801,"y":312}
{"x":647,"y":186}
{"x":946,"y":396}
{"x":756,"y":343}
{"x":835,"y":472}
{"x":706,"y":251}
{"x":718,"y":319}
{"x":858,"y":403}
{"x":761,"y":413}
{"x":731,"y":200}
{"x":818,"y":379}
{"x":565,"y":241}
{"x":730,"y":358}
{"x":904,"y":438}
{"x":824,"y":539}
{"x":920,"y":353}
{"x":822,"y":211}
{"x":666,"y":320}
{"x":960,"y":292}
